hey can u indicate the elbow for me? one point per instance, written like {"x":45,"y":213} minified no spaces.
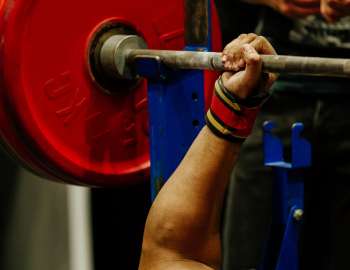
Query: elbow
{"x":159,"y":230}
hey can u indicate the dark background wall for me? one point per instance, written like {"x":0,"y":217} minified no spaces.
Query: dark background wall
{"x":119,"y":216}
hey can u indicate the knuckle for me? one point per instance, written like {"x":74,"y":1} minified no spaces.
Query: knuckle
{"x":255,"y":60}
{"x":227,"y":47}
{"x":242,"y":36}
{"x":252,"y":35}
{"x":262,"y":39}
{"x":265,"y":42}
{"x":260,"y":42}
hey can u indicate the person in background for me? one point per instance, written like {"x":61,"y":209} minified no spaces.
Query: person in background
{"x":307,"y":28}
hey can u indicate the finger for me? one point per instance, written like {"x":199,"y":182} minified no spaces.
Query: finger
{"x":332,"y":17}
{"x":272,"y":78}
{"x":242,"y":38}
{"x":232,"y":53}
{"x":262,"y":46}
{"x":339,"y":7}
{"x":252,"y":72}
{"x":298,"y":12}
{"x":330,"y":14}
{"x":234,"y":63}
{"x":268,"y":82}
{"x":232,"y":46}
{"x":337,"y":3}
{"x":246,"y":38}
{"x":228,"y":54}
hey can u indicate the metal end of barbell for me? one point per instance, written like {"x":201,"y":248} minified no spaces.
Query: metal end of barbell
{"x":114,"y":52}
{"x":109,"y":38}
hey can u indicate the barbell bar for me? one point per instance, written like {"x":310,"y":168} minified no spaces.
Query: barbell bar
{"x":119,"y":53}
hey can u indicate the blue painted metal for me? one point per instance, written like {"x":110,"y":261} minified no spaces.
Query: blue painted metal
{"x":289,"y":196}
{"x":176,"y":108}
{"x":151,"y":68}
{"x":289,"y":252}
{"x":176,"y":112}
{"x":301,"y":148}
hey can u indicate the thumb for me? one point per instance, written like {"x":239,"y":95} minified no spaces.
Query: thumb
{"x":252,"y":73}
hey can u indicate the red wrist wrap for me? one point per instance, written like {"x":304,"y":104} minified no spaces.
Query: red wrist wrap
{"x":229,"y":119}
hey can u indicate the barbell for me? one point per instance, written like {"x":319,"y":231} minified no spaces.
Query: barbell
{"x":73,"y":107}
{"x":120,"y":52}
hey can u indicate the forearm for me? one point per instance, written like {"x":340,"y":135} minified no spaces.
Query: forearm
{"x":201,"y":178}
{"x":186,"y":215}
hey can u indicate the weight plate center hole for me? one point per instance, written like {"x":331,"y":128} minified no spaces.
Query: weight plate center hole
{"x":107,"y":83}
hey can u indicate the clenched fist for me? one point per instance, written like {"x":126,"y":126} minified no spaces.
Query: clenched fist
{"x":242,"y":57}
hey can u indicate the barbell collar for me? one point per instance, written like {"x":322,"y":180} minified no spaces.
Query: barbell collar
{"x":119,"y":53}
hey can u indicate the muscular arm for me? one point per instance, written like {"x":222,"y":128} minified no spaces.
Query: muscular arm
{"x":185,"y":218}
{"x":183,"y":227}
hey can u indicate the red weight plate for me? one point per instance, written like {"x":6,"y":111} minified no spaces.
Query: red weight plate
{"x":53,"y":114}
{"x":8,"y":135}
{"x":3,"y":8}
{"x":75,"y":131}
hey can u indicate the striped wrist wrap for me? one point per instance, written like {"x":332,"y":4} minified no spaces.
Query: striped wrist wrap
{"x":230,"y":117}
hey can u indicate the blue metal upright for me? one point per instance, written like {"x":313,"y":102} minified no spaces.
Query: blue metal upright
{"x":282,"y":249}
{"x":176,"y":106}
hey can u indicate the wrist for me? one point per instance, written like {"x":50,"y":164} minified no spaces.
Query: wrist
{"x":257,"y":98}
{"x":232,"y":118}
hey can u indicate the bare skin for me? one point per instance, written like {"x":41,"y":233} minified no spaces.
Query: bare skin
{"x":291,"y":8}
{"x":183,"y":226}
{"x":333,"y":10}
